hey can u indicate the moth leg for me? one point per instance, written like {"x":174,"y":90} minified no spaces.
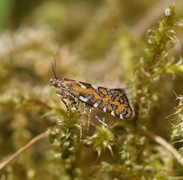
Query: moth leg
{"x":62,"y":99}
{"x":75,"y":103}
{"x":63,"y":96}
{"x":79,"y":112}
{"x":99,"y":120}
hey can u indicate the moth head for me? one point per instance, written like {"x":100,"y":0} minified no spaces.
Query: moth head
{"x":54,"y":82}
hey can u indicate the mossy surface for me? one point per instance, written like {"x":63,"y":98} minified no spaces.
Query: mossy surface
{"x":95,"y":43}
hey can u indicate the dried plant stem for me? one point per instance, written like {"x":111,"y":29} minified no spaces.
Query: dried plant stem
{"x":164,"y":143}
{"x":34,"y":140}
{"x":150,"y":17}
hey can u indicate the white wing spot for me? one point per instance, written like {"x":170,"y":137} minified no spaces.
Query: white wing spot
{"x":86,"y":99}
{"x":82,"y":85}
{"x":121,"y":116}
{"x":98,"y":103}
{"x":105,"y":107}
{"x":112,"y":113}
{"x":94,"y":87}
{"x":123,"y":113}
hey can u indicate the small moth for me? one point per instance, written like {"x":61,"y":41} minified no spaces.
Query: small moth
{"x":111,"y":101}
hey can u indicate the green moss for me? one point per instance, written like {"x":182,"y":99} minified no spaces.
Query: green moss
{"x":97,"y":48}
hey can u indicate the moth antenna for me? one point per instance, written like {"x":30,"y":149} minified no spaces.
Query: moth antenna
{"x":54,"y":52}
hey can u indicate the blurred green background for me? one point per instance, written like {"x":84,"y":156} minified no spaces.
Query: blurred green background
{"x":99,"y":42}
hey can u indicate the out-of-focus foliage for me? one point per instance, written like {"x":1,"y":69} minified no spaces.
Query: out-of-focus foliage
{"x":95,"y":44}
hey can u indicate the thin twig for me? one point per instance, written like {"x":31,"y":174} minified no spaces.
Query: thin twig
{"x":34,"y":140}
{"x":165,"y":144}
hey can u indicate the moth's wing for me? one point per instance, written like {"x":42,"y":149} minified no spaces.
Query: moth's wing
{"x":112,"y":101}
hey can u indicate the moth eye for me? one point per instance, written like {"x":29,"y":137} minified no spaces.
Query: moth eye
{"x":53,"y":82}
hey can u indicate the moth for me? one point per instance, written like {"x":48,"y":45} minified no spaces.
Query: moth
{"x":111,"y":101}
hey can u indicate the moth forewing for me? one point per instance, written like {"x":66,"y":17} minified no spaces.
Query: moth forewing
{"x":112,"y":101}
